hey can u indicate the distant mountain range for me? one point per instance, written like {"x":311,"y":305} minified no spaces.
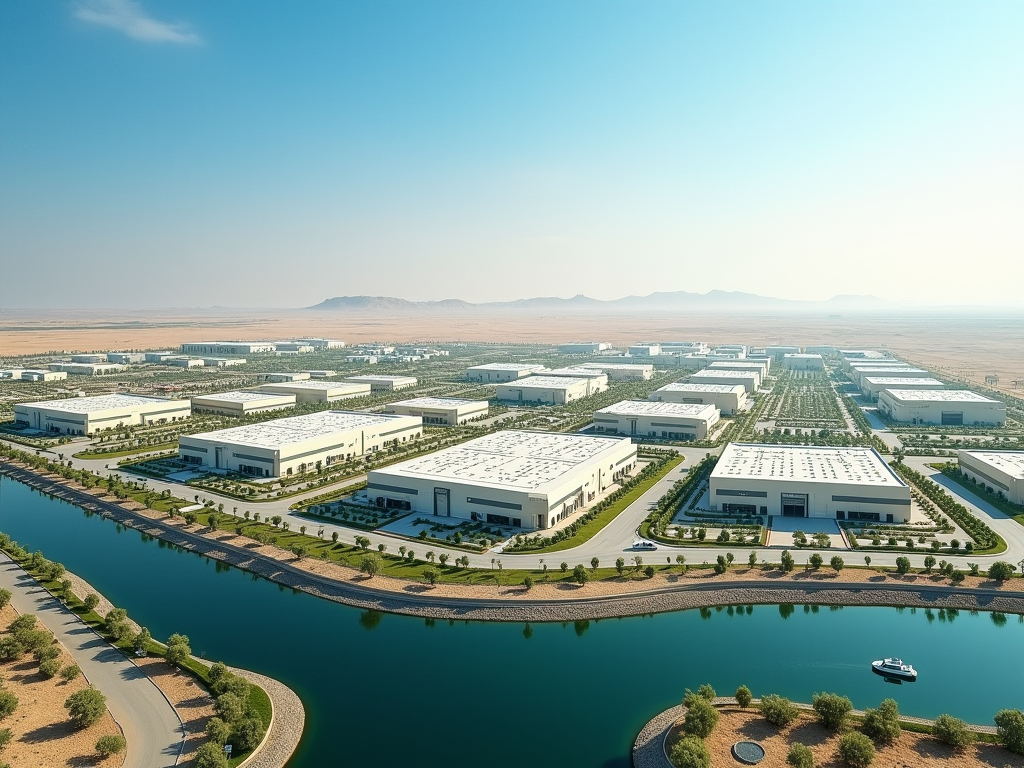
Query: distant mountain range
{"x":671,"y":301}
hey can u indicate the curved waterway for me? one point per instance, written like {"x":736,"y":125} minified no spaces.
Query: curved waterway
{"x":388,"y":690}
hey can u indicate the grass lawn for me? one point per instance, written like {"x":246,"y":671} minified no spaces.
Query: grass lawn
{"x":590,"y":529}
{"x":89,"y":454}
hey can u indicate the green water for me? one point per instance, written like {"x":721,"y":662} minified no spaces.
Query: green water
{"x":383,"y":690}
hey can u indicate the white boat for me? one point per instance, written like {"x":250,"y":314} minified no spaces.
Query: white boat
{"x":894,"y":668}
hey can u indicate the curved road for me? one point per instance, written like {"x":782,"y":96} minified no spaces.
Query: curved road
{"x":150,"y":724}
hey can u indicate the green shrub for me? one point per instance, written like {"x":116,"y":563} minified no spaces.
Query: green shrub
{"x":8,"y":703}
{"x":91,"y":601}
{"x":1001,"y":571}
{"x":777,"y":710}
{"x":1010,"y":728}
{"x":5,"y":737}
{"x":5,"y":597}
{"x":210,"y":755}
{"x":10,"y":648}
{"x":229,"y":707}
{"x":856,"y":750}
{"x":85,"y":707}
{"x":800,"y":756}
{"x":218,"y":731}
{"x":816,"y":561}
{"x":952,"y":731}
{"x":701,"y":718}
{"x":70,"y":672}
{"x":110,"y":745}
{"x":832,"y":709}
{"x":883,"y":724}
{"x":707,"y":692}
{"x":49,"y":667}
{"x":743,"y":696}
{"x":690,"y":752}
{"x":248,"y":734}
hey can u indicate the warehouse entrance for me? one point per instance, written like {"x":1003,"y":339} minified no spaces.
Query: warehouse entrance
{"x":441,"y":498}
{"x":794,"y":505}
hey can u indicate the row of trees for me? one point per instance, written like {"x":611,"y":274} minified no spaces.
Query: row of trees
{"x":985,"y":537}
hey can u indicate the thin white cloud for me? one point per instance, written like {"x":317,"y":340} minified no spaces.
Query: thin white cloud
{"x":130,"y":17}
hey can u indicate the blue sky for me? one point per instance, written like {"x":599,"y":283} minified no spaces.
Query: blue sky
{"x":253,"y":153}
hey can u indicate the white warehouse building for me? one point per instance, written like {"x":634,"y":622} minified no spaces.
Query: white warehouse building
{"x":750,"y":380}
{"x":646,"y":418}
{"x":241,"y":402}
{"x":530,"y":480}
{"x":1000,"y":471}
{"x":228,"y":348}
{"x":945,"y":407}
{"x":384,"y":383}
{"x":319,"y":391}
{"x":89,"y":415}
{"x":843,"y":483}
{"x":583,"y":348}
{"x":727,"y":398}
{"x":623,"y":371}
{"x":761,"y":367}
{"x":804,"y":361}
{"x":496,"y":373}
{"x":780,"y":351}
{"x":858,"y":374}
{"x":444,"y":411}
{"x":549,"y":390}
{"x":297,"y":444}
{"x":871,"y":386}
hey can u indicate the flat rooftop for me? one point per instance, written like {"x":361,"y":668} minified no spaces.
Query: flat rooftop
{"x":548,"y":382}
{"x":100,"y":403}
{"x":857,"y":466}
{"x":895,"y":381}
{"x":438,"y":402}
{"x":887,"y":369}
{"x":306,"y":384}
{"x":1010,"y":462}
{"x":240,"y":396}
{"x":618,"y":366}
{"x":726,"y":373}
{"x":366,"y":379}
{"x":940,"y":396}
{"x":682,"y":386}
{"x":803,"y":355}
{"x":278,"y":433}
{"x":506,"y":367}
{"x":656,"y":408}
{"x":509,"y":459}
{"x":585,"y":373}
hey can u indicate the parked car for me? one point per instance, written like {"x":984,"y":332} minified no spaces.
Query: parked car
{"x":644,"y":545}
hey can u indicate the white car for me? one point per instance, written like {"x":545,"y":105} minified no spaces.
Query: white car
{"x":644,"y":545}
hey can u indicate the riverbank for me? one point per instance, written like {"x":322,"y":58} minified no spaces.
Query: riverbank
{"x":192,"y":703}
{"x":667,"y":590}
{"x":915,"y":746}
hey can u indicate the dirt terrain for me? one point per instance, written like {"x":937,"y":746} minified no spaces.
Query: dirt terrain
{"x":966,"y":345}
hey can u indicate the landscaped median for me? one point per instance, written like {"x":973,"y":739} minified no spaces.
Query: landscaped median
{"x":706,"y":730}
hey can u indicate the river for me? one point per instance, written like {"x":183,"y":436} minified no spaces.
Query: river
{"x":382,"y":690}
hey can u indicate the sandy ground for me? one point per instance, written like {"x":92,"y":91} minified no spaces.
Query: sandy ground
{"x":43,"y":735}
{"x":193,"y":703}
{"x":969,"y":346}
{"x":910,"y":750}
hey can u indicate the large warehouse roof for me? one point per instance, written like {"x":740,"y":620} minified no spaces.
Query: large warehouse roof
{"x":98,"y":403}
{"x":507,"y":367}
{"x":509,"y":459}
{"x":1010,"y":462}
{"x":438,"y":402}
{"x":940,"y":395}
{"x":895,"y":381}
{"x":322,"y":385}
{"x":657,"y":408}
{"x":295,"y":429}
{"x":725,"y":373}
{"x":546,"y":382}
{"x":863,"y":466}
{"x":240,"y":396}
{"x":679,"y":386}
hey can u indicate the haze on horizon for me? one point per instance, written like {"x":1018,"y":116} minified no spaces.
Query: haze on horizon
{"x":159,"y":154}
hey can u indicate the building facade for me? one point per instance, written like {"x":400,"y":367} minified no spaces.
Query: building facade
{"x":727,"y":398}
{"x":871,"y":386}
{"x":999,"y":471}
{"x":497,"y":373}
{"x":89,"y":415}
{"x":945,"y":407}
{"x":384,"y":383}
{"x":241,"y":402}
{"x":806,"y":361}
{"x":228,"y":348}
{"x":750,"y":380}
{"x":548,"y":390}
{"x":319,"y":391}
{"x":842,"y":483}
{"x":440,"y":411}
{"x":297,"y":444}
{"x":623,"y":371}
{"x":529,"y":480}
{"x":657,"y":420}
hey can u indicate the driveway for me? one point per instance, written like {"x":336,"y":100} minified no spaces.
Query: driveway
{"x":150,"y":724}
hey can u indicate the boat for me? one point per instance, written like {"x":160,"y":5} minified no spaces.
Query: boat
{"x":894,"y":668}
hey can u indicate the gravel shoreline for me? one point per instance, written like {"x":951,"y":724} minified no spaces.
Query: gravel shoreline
{"x":643,"y":602}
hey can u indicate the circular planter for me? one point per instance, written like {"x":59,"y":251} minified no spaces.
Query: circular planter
{"x":748,"y":752}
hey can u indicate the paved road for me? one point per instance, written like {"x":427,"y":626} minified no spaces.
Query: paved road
{"x":151,"y":726}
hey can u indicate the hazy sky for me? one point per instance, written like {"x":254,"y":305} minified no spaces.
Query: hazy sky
{"x":254,"y":153}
